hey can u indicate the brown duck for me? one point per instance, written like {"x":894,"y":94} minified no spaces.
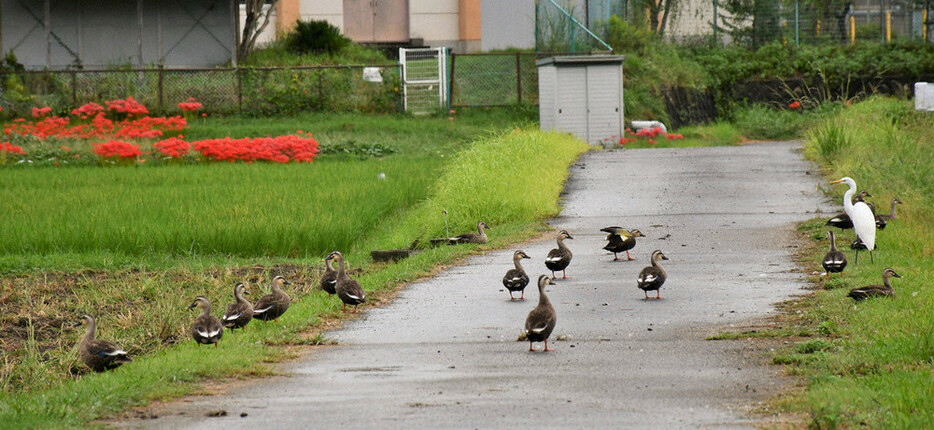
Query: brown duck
{"x":653,"y":277}
{"x":619,"y":239}
{"x":478,"y":237}
{"x":516,"y":279}
{"x":541,"y":320}
{"x":206,"y":329}
{"x":560,"y":257}
{"x":240,"y":312}
{"x":835,"y":260}
{"x":328,"y":280}
{"x":100,"y":355}
{"x":348,"y":290}
{"x":884,"y":290}
{"x":273,"y":305}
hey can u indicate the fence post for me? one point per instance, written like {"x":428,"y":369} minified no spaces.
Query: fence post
{"x":519,"y":78}
{"x":714,"y":22}
{"x":796,"y":24}
{"x":239,"y":73}
{"x":160,"y":89}
{"x":453,"y":74}
{"x":74,"y":88}
{"x":320,"y":87}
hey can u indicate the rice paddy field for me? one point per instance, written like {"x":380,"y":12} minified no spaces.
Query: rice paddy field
{"x":134,"y":245}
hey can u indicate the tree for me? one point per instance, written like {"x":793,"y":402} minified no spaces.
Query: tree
{"x":658,"y":13}
{"x":254,"y":23}
{"x":763,"y":15}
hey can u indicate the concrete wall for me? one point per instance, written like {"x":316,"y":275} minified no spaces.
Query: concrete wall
{"x":507,"y":24}
{"x":100,"y":33}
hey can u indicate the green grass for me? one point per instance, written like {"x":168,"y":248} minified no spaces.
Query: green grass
{"x":878,"y":371}
{"x":142,"y":309}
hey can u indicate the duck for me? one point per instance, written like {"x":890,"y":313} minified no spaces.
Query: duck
{"x":891,"y":216}
{"x":516,"y":279}
{"x":206,"y":329}
{"x":884,"y":290}
{"x":842,"y":220}
{"x":653,"y":277}
{"x":98,"y":354}
{"x":273,"y":305}
{"x":348,"y":289}
{"x":478,"y":237}
{"x":560,"y":257}
{"x":864,"y":222}
{"x":619,"y":240}
{"x":240,"y":312}
{"x":541,"y":320}
{"x":329,"y":278}
{"x":835,"y":260}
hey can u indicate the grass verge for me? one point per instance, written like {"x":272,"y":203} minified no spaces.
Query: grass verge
{"x":143,"y":310}
{"x":872,"y":363}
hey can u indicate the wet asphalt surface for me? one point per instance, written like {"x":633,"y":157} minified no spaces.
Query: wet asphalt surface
{"x":444,"y":353}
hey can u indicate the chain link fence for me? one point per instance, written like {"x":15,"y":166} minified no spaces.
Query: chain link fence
{"x":497,"y":79}
{"x":740,"y":22}
{"x":228,"y":90}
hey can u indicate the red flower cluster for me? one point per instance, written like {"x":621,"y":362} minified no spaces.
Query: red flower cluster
{"x":795,"y":104}
{"x":117,"y":149}
{"x":38,"y":112}
{"x":100,"y":127}
{"x":130,"y":107}
{"x":190,"y":106}
{"x":173,"y":147}
{"x":648,"y":133}
{"x":281,"y":149}
{"x":12,"y":149}
{"x":88,"y":111}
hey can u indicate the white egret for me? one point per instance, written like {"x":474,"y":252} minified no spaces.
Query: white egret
{"x":864,"y":222}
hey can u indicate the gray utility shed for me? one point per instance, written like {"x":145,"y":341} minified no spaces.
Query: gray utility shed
{"x":582,"y":95}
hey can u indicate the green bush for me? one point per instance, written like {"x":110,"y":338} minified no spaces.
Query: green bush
{"x":315,"y":37}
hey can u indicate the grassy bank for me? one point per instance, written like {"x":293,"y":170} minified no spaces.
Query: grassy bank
{"x":142,"y":309}
{"x":872,"y":363}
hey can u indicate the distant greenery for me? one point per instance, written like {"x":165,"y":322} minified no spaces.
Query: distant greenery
{"x":317,"y":37}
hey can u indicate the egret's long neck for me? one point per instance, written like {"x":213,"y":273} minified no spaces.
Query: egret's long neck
{"x":848,"y":199}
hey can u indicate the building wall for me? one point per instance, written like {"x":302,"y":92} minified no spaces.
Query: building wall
{"x":102,"y":33}
{"x":507,"y":24}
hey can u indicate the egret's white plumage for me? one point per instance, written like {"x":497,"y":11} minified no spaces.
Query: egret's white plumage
{"x":864,"y":222}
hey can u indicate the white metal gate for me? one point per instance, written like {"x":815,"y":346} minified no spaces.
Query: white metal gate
{"x":424,"y":79}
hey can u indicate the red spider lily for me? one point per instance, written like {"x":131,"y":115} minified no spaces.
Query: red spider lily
{"x":38,"y":112}
{"x":190,"y":106}
{"x":795,"y":104}
{"x":88,"y":110}
{"x":129,"y":106}
{"x":280,"y":149}
{"x":172,"y":147}
{"x":66,"y":149}
{"x":12,"y":149}
{"x":117,"y":149}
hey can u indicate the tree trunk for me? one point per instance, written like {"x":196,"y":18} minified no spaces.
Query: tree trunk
{"x":251,"y":25}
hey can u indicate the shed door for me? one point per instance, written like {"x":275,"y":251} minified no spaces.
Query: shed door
{"x":376,"y":20}
{"x":603,"y":102}
{"x":571,"y":103}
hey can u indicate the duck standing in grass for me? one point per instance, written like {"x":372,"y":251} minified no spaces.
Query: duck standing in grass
{"x":835,"y":260}
{"x":560,"y":257}
{"x":100,"y":355}
{"x":273,"y":305}
{"x":619,"y":239}
{"x":240,"y":312}
{"x":884,"y":290}
{"x":541,"y":320}
{"x":206,"y":329}
{"x":882,"y":219}
{"x":348,"y":289}
{"x":516,"y":279}
{"x":653,"y":277}
{"x":329,"y":278}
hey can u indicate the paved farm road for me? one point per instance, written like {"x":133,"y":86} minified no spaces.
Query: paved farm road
{"x":444,"y":353}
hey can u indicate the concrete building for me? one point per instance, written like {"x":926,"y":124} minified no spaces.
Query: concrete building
{"x":461,"y":25}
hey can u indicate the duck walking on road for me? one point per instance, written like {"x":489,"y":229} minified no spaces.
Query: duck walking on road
{"x":516,"y":279}
{"x":541,"y":320}
{"x":653,"y":277}
{"x":560,"y":257}
{"x":619,"y":239}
